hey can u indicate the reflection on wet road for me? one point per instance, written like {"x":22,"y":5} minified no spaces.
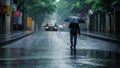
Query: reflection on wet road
{"x":50,"y":50}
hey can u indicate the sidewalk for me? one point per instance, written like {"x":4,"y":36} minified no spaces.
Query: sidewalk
{"x":11,"y":37}
{"x":107,"y":37}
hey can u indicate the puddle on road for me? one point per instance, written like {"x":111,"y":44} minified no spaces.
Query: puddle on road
{"x":23,"y":57}
{"x":96,"y":57}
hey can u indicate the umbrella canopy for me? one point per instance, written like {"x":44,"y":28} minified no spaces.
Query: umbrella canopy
{"x":74,"y":19}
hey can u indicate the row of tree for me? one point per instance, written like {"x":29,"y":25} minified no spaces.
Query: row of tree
{"x":40,"y":9}
{"x":96,"y":5}
{"x":37,"y":9}
{"x":79,"y":6}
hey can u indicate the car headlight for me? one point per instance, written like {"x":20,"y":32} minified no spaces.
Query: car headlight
{"x":46,"y":27}
{"x":55,"y":27}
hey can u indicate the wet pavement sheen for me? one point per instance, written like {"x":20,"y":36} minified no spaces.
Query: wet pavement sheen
{"x":51,"y":50}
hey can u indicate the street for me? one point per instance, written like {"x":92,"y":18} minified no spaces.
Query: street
{"x":52,"y":50}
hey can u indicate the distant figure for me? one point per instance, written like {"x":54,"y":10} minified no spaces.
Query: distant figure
{"x":74,"y":30}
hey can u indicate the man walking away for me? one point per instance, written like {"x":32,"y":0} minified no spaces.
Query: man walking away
{"x":74,"y":30}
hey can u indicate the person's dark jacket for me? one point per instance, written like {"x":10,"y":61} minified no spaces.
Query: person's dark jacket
{"x":74,"y":28}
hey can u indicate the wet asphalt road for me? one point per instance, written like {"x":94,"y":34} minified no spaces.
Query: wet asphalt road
{"x":52,"y":50}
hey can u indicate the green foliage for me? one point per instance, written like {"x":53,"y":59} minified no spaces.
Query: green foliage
{"x":76,"y":7}
{"x":36,"y":7}
{"x":116,"y":5}
{"x":103,"y":5}
{"x":39,"y":9}
{"x":97,"y":5}
{"x":42,"y":7}
{"x":80,"y":6}
{"x":93,"y":1}
{"x":63,"y":9}
{"x":77,"y":4}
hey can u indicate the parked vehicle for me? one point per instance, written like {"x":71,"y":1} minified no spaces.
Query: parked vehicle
{"x":61,"y":28}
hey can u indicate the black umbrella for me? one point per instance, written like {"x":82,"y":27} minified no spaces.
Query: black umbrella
{"x":74,"y":19}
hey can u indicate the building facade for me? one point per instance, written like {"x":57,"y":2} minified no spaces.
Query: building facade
{"x":108,"y":23}
{"x":9,"y":16}
{"x":3,"y":11}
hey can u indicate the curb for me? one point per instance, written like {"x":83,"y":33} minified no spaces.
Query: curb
{"x":14,"y":39}
{"x":102,"y":37}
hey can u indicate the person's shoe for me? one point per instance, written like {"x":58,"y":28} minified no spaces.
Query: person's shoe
{"x":71,"y":46}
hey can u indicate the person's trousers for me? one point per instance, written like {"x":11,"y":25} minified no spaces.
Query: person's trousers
{"x":73,"y":39}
